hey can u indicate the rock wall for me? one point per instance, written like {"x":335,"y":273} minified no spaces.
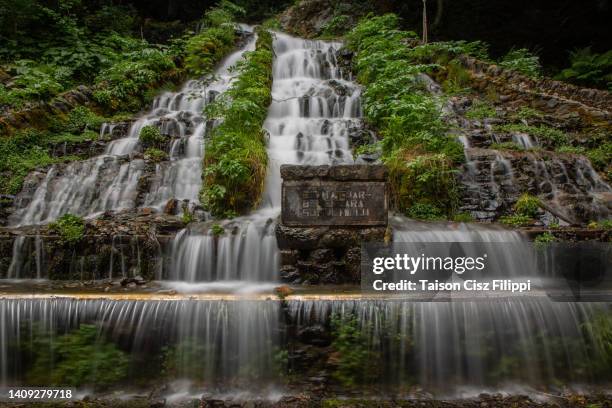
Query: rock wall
{"x":545,"y":94}
{"x":322,"y":244}
{"x":112,"y":248}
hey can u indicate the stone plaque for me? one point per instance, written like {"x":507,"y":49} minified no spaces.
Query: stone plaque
{"x":331,"y":202}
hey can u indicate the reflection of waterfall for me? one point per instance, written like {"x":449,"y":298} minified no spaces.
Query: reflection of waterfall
{"x":229,"y":340}
{"x":309,"y":120}
{"x":111,"y":181}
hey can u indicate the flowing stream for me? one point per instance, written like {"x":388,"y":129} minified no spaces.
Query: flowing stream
{"x":440,"y":347}
{"x":314,"y":109}
{"x":110,"y":182}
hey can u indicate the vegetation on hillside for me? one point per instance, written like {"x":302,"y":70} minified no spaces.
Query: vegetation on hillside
{"x":126,"y":74}
{"x":235,"y":161}
{"x":416,"y":147}
{"x":589,"y":69}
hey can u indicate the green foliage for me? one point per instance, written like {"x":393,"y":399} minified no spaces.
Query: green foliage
{"x":527,"y":113}
{"x":121,"y":85}
{"x":601,"y":157}
{"x":516,"y":220}
{"x":33,"y":82}
{"x":81,"y":119}
{"x":77,"y":359}
{"x":338,"y":25}
{"x":545,"y":238}
{"x":151,"y":136}
{"x":356,"y":363}
{"x":186,"y":360}
{"x":599,"y":330}
{"x":415,"y":142}
{"x":155,"y":155}
{"x":423,"y":186}
{"x":217,"y":229}
{"x":605,"y":224}
{"x":21,"y":153}
{"x":187,"y":216}
{"x":527,"y":205}
{"x":546,"y":135}
{"x":506,"y":146}
{"x":70,"y":228}
{"x":463,"y":217}
{"x":589,"y":69}
{"x":205,"y":49}
{"x":481,"y":110}
{"x":425,"y":211}
{"x":523,"y":61}
{"x":51,"y":47}
{"x":272,"y":23}
{"x":236,"y":159}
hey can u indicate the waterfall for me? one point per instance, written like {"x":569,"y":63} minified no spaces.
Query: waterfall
{"x":450,"y":348}
{"x":110,"y":182}
{"x":231,"y":340}
{"x":314,"y":108}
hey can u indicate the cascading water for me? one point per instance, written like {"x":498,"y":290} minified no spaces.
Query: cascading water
{"x":463,"y":348}
{"x":313,"y":111}
{"x":205,"y":341}
{"x":110,"y":181}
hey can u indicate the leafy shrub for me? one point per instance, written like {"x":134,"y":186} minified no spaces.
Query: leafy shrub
{"x":81,"y":119}
{"x":463,"y":217}
{"x":544,"y":238}
{"x":415,"y":142}
{"x":526,"y":113}
{"x":187,"y":216}
{"x":151,"y":136}
{"x":601,"y":157}
{"x":356,"y":362}
{"x":506,"y":146}
{"x":184,"y":359}
{"x":425,"y":211}
{"x":217,"y":229}
{"x":21,"y":153}
{"x":131,"y":77}
{"x":527,"y":205}
{"x":546,"y":135}
{"x":598,"y":330}
{"x":516,"y":220}
{"x":77,"y":358}
{"x":70,"y":228}
{"x":205,"y":49}
{"x":421,"y":183}
{"x":523,"y":61}
{"x":34,"y":81}
{"x":155,"y":155}
{"x":589,"y":69}
{"x":236,"y":158}
{"x":481,"y":110}
{"x":338,"y":25}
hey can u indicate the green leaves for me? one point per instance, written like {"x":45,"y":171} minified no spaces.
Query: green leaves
{"x":589,"y":69}
{"x":78,"y":358}
{"x":70,"y":228}
{"x":236,"y":159}
{"x":415,"y":144}
{"x":523,"y":61}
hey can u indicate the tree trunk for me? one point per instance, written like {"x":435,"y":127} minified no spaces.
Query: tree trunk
{"x":425,"y":21}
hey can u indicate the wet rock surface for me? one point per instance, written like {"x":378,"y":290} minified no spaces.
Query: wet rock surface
{"x":114,"y":245}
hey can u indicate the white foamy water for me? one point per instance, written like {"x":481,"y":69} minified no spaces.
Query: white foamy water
{"x":312,"y":111}
{"x":111,"y":181}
